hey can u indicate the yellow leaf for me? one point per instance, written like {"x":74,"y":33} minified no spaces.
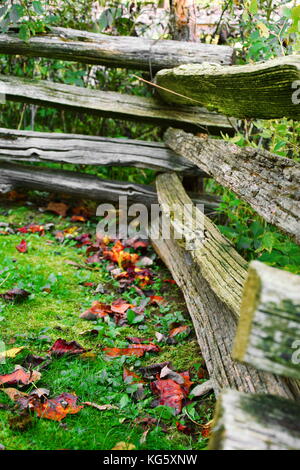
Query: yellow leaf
{"x":124,"y":446}
{"x":263,"y":30}
{"x":11,"y":353}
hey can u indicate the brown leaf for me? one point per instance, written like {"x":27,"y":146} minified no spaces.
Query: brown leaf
{"x":58,"y":208}
{"x":97,"y":310}
{"x":100,"y":407}
{"x":180,"y":329}
{"x":15,"y":295}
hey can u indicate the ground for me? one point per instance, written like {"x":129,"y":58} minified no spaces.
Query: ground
{"x":60,"y":292}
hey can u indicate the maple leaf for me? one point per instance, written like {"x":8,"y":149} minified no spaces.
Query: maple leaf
{"x":179,"y":329}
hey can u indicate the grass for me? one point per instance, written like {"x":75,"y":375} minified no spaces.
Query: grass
{"x":52,"y":311}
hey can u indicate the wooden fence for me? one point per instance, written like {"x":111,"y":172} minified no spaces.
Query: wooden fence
{"x":257,"y":309}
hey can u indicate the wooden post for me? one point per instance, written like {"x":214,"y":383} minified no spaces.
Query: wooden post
{"x":268,"y":334}
{"x":255,"y":422}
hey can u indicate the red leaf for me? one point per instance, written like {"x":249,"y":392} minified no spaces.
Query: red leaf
{"x":133,"y":350}
{"x":187,"y":383}
{"x":62,"y":347}
{"x":170,"y":393}
{"x":158,"y":300}
{"x":78,"y":218}
{"x":19,"y":377}
{"x":22,"y":247}
{"x":183,"y":428}
{"x":170,"y":281}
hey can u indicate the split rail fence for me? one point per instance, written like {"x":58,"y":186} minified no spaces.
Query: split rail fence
{"x":247,"y":318}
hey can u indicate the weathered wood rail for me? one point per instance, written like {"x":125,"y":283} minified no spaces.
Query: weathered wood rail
{"x":268,"y":334}
{"x":214,"y":324}
{"x":269,"y":183}
{"x":264,"y":90}
{"x":30,"y":146}
{"x":111,"y":104}
{"x":222,"y":267}
{"x":83,"y":185}
{"x":114,"y":51}
{"x":211,"y":274}
{"x":255,"y":422}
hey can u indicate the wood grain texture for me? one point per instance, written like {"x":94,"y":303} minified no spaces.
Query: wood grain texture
{"x":268,"y":334}
{"x":264,"y":90}
{"x":269,"y":183}
{"x":114,"y":51}
{"x":110,"y":104}
{"x":83,"y":185}
{"x":29,"y":146}
{"x":223,"y":268}
{"x":214,"y":324}
{"x":255,"y":422}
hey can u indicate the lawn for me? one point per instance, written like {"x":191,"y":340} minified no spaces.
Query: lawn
{"x":59,"y":293}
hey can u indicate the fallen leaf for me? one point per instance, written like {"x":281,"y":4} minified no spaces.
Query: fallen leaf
{"x":180,"y":329}
{"x":62,"y":347}
{"x":15,"y":295}
{"x":183,"y":428}
{"x":97,"y":310}
{"x":22,"y":247}
{"x":133,"y":350}
{"x":13,"y":393}
{"x":57,"y":408}
{"x":167,"y":373}
{"x":170,"y":393}
{"x":19,"y":377}
{"x":124,"y":446}
{"x":170,"y":281}
{"x":100,"y":407}
{"x":58,"y":208}
{"x":149,"y":372}
{"x":120,"y":306}
{"x":157,"y":300}
{"x":78,"y":218}
{"x":11,"y":353}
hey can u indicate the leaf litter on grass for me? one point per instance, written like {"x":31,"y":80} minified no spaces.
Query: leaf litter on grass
{"x":127,"y":263}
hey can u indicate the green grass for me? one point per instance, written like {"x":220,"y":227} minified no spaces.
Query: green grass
{"x":45,"y":316}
